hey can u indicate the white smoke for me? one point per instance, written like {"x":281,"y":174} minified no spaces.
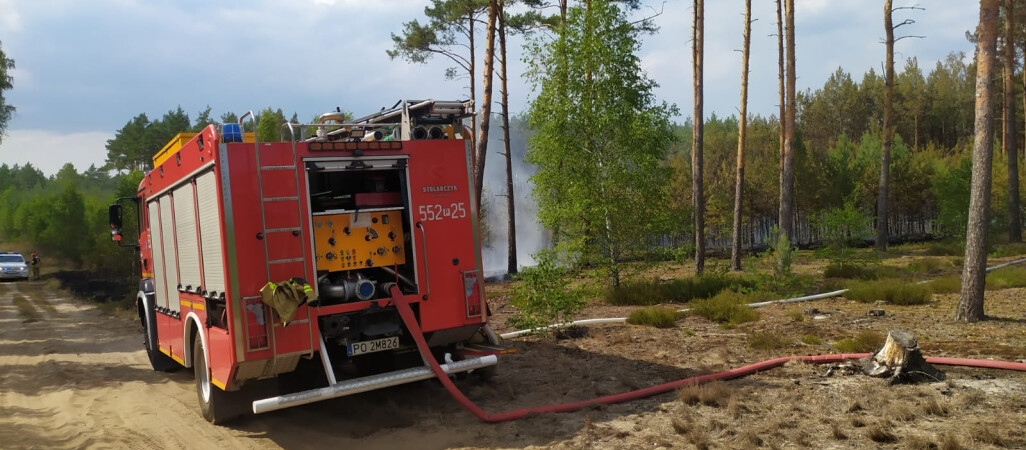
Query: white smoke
{"x":531,"y":237}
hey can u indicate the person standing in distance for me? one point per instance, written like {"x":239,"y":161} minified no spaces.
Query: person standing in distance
{"x":35,"y":265}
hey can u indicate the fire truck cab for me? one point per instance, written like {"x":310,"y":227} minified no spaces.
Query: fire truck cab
{"x":328,"y":223}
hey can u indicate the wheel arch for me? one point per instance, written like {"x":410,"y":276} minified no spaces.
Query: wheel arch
{"x":192,"y":331}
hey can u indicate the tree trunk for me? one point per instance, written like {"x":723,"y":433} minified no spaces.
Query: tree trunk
{"x":782,"y":118}
{"x":472,"y":72}
{"x":697,"y":194}
{"x":486,"y":102}
{"x":1009,"y":142}
{"x":735,"y":253}
{"x":511,"y":229}
{"x":888,"y":133}
{"x":787,"y":169}
{"x":970,"y":301}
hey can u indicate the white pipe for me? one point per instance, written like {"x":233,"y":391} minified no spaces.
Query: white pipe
{"x":1006,"y":264}
{"x":518,"y":333}
{"x":369,"y":383}
{"x":807,"y":298}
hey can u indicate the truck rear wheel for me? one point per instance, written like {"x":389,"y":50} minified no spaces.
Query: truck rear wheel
{"x":216,"y":405}
{"x":159,"y":361}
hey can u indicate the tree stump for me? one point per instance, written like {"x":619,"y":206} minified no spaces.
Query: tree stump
{"x":900,"y":359}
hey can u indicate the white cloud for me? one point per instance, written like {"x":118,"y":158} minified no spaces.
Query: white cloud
{"x":50,"y":150}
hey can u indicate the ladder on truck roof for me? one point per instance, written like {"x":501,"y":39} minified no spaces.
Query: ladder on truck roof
{"x":292,"y":227}
{"x":406,"y":115}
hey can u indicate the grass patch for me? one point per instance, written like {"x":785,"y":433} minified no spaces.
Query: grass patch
{"x":950,"y":284}
{"x":764,"y":340}
{"x":656,"y":316}
{"x":1006,"y":277}
{"x":728,"y":308}
{"x":851,"y":271}
{"x":897,"y":292}
{"x":945,"y":248}
{"x":811,"y":339}
{"x":864,"y":342}
{"x":927,"y":266}
{"x":1010,"y":249}
{"x":653,"y":292}
{"x":797,"y":315}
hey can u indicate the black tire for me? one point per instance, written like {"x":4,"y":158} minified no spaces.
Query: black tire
{"x":159,"y":361}
{"x":216,"y":405}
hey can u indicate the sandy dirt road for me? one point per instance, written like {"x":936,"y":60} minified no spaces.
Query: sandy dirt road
{"x":73,"y":376}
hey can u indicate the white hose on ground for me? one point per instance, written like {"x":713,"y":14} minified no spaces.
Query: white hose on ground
{"x":807,"y":298}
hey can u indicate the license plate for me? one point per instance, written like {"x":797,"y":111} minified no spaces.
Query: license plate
{"x":377,"y":345}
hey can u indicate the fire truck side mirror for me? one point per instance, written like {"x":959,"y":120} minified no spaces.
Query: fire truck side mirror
{"x":114,"y":216}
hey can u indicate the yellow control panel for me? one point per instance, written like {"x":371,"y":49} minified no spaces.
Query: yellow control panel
{"x":359,"y":240}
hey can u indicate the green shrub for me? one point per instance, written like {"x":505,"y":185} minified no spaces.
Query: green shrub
{"x":544,"y":295}
{"x":797,"y":315}
{"x":653,"y":292}
{"x":897,"y":292}
{"x":927,"y":265}
{"x":1006,"y":277}
{"x":727,"y":307}
{"x":851,"y":271}
{"x":864,"y":342}
{"x":657,"y":316}
{"x":764,"y":340}
{"x":811,"y":339}
{"x":950,"y":284}
{"x":1010,"y":249}
{"x":945,"y":248}
{"x":783,"y":250}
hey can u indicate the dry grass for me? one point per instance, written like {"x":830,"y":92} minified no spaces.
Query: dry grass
{"x":716,"y":393}
{"x":881,"y":432}
{"x":764,"y":340}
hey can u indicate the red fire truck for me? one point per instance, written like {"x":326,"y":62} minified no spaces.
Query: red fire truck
{"x":357,"y":211}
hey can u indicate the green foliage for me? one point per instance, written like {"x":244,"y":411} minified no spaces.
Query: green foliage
{"x":134,"y":145}
{"x":6,"y":83}
{"x":864,"y":342}
{"x":600,"y":139}
{"x":811,"y":339}
{"x":269,"y":123}
{"x":651,"y":292}
{"x":656,"y":316}
{"x":851,"y":271}
{"x":950,"y":284}
{"x":947,"y":247}
{"x":841,"y":227}
{"x":927,"y":265}
{"x":544,"y":294}
{"x":1006,"y":277}
{"x":783,"y":251}
{"x":1009,"y":249}
{"x":728,"y":308}
{"x":764,"y":340}
{"x":898,"y":292}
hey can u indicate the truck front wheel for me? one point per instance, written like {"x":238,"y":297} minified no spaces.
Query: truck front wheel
{"x":216,"y":405}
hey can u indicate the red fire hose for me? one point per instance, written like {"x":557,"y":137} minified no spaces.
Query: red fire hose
{"x":418,"y":337}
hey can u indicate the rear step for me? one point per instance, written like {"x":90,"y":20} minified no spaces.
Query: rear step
{"x":369,"y":383}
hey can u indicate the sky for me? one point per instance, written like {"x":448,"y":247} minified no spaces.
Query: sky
{"x":85,"y":68}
